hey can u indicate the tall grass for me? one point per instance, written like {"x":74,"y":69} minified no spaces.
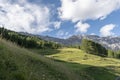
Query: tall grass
{"x":17,"y":63}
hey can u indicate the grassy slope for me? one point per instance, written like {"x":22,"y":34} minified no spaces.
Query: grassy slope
{"x":87,"y":66}
{"x":19,"y":64}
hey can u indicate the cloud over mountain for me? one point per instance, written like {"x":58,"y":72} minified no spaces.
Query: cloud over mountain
{"x":82,"y":27}
{"x":107,"y":30}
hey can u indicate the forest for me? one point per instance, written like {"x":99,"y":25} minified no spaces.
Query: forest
{"x":94,"y":48}
{"x":27,"y":41}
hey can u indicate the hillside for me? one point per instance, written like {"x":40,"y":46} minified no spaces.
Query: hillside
{"x":19,"y":64}
{"x":108,"y":42}
{"x":27,"y":41}
{"x":87,"y":66}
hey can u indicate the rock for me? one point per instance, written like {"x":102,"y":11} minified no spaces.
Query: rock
{"x":118,"y":78}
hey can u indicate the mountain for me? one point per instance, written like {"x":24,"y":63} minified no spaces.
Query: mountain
{"x":18,"y":63}
{"x":108,"y":42}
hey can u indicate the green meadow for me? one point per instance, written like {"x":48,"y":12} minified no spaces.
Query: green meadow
{"x":17,"y":63}
{"x":86,"y":66}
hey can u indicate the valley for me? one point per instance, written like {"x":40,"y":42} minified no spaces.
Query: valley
{"x":87,"y":66}
{"x":27,"y":57}
{"x":59,"y":39}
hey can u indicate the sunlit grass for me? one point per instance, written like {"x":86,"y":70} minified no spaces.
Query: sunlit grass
{"x":78,"y":56}
{"x":89,"y":67}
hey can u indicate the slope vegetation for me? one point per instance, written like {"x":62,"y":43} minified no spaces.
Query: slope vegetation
{"x":19,"y":64}
{"x":87,"y":66}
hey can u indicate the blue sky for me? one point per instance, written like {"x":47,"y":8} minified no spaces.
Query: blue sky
{"x":61,"y":18}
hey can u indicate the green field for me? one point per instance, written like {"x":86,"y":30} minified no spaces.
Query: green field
{"x":87,"y":66}
{"x":17,"y":63}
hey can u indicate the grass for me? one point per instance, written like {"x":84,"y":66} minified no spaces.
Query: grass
{"x":87,"y":66}
{"x":17,"y":63}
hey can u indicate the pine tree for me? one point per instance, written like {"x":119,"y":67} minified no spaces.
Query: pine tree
{"x":111,"y":54}
{"x":93,"y":48}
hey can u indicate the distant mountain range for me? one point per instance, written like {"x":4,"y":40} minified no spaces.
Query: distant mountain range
{"x":108,"y":42}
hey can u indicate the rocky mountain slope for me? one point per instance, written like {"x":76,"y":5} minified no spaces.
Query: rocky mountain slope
{"x":108,"y":42}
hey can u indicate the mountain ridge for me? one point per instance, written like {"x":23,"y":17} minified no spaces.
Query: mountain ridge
{"x":109,"y":42}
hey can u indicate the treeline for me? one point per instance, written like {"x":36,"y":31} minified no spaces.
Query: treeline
{"x":27,"y":41}
{"x":114,"y":54}
{"x":94,"y":48}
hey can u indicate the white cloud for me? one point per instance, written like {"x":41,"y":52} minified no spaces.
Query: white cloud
{"x":81,"y":10}
{"x":62,"y":34}
{"x":57,"y":24}
{"x":107,"y":30}
{"x":92,"y":34}
{"x":24,"y":16}
{"x":82,"y":27}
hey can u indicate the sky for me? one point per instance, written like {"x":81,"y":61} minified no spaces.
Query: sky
{"x":61,"y":18}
